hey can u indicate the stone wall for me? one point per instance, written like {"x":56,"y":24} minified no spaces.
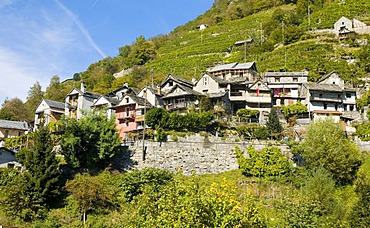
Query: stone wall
{"x":193,"y":154}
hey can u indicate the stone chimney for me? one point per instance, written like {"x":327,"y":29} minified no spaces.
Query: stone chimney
{"x":125,"y":84}
{"x":83,"y":87}
{"x":158,"y":90}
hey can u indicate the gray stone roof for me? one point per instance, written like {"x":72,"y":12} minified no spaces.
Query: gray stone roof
{"x":325,"y":77}
{"x":287,"y":74}
{"x":188,"y":90}
{"x":18,"y":125}
{"x":54,"y":104}
{"x":178,"y":80}
{"x":325,"y":87}
{"x":232,"y":66}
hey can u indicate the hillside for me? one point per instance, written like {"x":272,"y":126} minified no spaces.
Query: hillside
{"x":283,"y":41}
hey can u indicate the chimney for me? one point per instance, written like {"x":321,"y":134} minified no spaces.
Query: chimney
{"x":125,"y":84}
{"x":83,"y":87}
{"x":158,"y":90}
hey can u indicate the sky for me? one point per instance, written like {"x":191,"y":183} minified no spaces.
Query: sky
{"x":43,"y":38}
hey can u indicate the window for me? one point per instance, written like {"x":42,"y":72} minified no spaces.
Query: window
{"x":127,"y":123}
{"x":325,"y":106}
{"x":320,"y":95}
{"x":170,"y":83}
{"x":336,"y":107}
{"x":348,"y":95}
{"x":205,"y":81}
{"x":127,"y":100}
{"x":295,"y":79}
{"x":205,"y":91}
{"x":277,"y":79}
{"x":6,"y":134}
{"x":127,"y":111}
{"x":339,"y":96}
{"x":333,"y":83}
{"x":10,"y":166}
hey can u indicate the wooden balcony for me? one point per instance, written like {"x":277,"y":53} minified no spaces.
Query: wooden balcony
{"x":126,"y":117}
{"x":259,"y":99}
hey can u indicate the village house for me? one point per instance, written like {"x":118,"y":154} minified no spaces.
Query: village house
{"x":345,"y":26}
{"x":329,"y":97}
{"x":130,"y":114}
{"x":285,"y":86}
{"x":214,"y":89}
{"x":11,"y":129}
{"x":77,"y":101}
{"x":48,"y":111}
{"x":8,"y":158}
{"x":259,"y":98}
{"x":105,"y":104}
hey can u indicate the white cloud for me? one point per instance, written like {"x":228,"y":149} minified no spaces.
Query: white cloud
{"x":5,"y":3}
{"x":81,"y":27}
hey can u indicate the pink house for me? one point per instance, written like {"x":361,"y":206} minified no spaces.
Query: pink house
{"x":130,"y":114}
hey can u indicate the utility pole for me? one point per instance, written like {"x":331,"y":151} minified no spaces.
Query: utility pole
{"x":145,"y":96}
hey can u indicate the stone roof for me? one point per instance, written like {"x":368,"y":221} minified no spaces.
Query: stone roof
{"x":177,"y":79}
{"x":18,"y":125}
{"x":216,"y":95}
{"x":325,"y":87}
{"x":325,"y":77}
{"x":188,"y":90}
{"x":287,"y":74}
{"x":54,"y":104}
{"x":233,"y":66}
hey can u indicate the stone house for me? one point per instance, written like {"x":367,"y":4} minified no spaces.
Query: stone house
{"x":78,"y":101}
{"x":215,"y":89}
{"x":180,"y":98}
{"x":329,"y":97}
{"x":129,"y":114}
{"x":171,"y":81}
{"x":8,"y":158}
{"x":344,"y":26}
{"x":258,"y":97}
{"x":285,"y":86}
{"x":105,"y":104}
{"x":11,"y":129}
{"x":153,"y":96}
{"x":247,"y":71}
{"x":48,"y":111}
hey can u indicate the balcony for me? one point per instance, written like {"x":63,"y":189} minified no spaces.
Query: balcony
{"x":327,"y":99}
{"x":237,"y":96}
{"x":126,"y":117}
{"x":139,"y":118}
{"x":255,"y":99}
{"x":176,"y":106}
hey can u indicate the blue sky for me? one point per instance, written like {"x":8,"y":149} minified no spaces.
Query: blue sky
{"x":43,"y":38}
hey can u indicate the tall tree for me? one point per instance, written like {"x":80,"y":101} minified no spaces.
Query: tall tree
{"x":35,"y":95}
{"x":15,"y":109}
{"x":36,"y":188}
{"x":273,"y":124}
{"x":57,"y":90}
{"x":326,"y":145}
{"x":90,"y":142}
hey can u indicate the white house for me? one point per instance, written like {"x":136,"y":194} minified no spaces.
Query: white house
{"x":48,"y":111}
{"x":78,"y":101}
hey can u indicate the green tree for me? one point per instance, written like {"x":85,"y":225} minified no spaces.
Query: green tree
{"x":269,"y":162}
{"x":326,"y":145}
{"x":156,"y":117}
{"x":90,"y":192}
{"x":35,"y":189}
{"x":57,"y":91}
{"x":89,"y":142}
{"x":141,"y":51}
{"x":15,"y":109}
{"x":35,"y":95}
{"x":273,"y":124}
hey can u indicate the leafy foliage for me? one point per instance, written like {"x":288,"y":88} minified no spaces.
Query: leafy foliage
{"x":161,"y":118}
{"x":273,"y":124}
{"x":89,"y":142}
{"x":326,"y":146}
{"x":36,"y":189}
{"x":269,"y":162}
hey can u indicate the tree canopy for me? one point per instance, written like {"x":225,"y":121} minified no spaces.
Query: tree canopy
{"x":326,"y":145}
